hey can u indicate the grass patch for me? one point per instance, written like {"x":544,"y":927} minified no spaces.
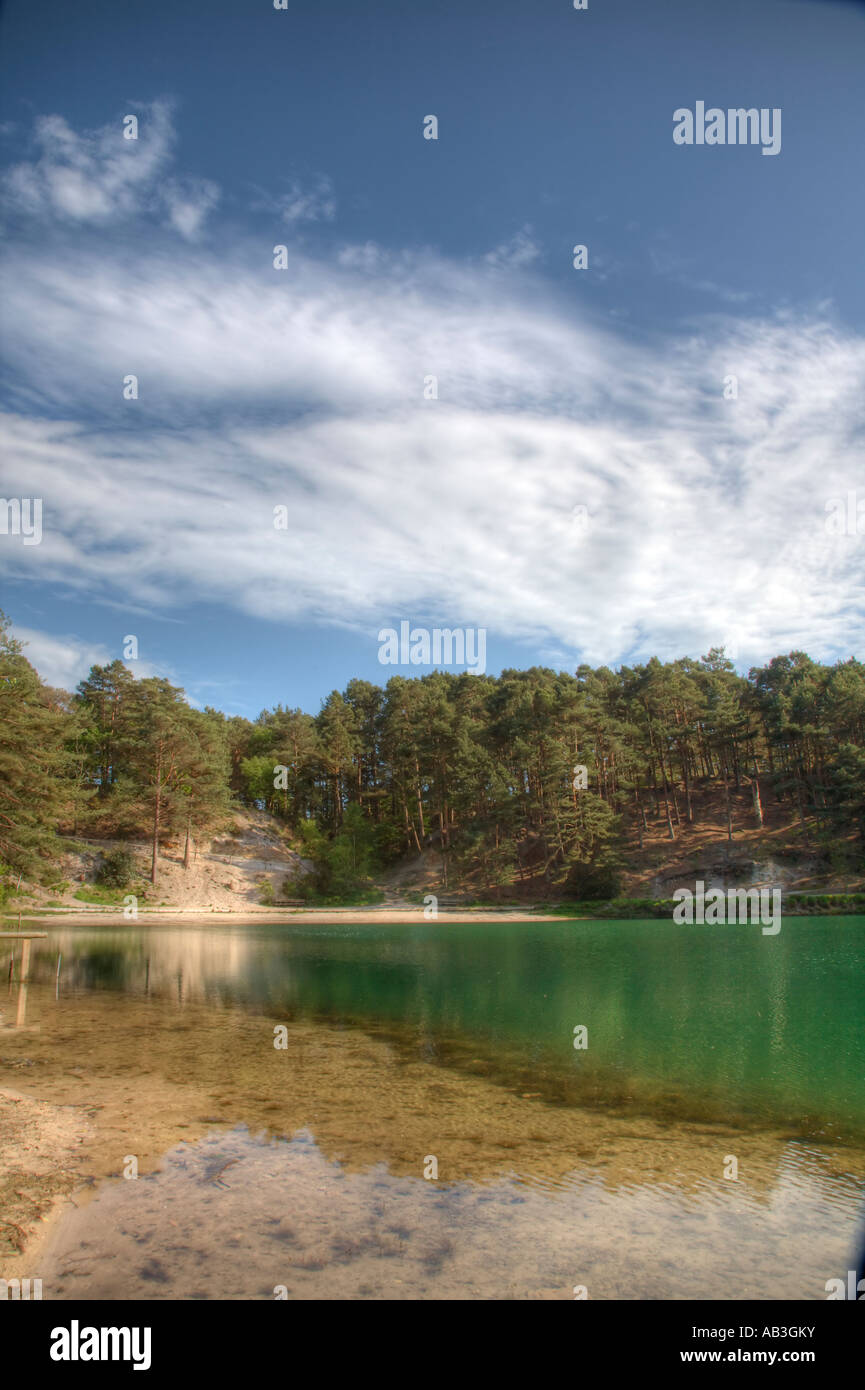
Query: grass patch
{"x":106,"y":897}
{"x":793,"y":905}
{"x":834,"y":904}
{"x":616,"y":908}
{"x":362,"y":897}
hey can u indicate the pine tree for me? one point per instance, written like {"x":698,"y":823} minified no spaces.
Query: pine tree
{"x":34,"y":763}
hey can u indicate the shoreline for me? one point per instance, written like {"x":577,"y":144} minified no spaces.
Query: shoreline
{"x":371,"y":915}
{"x":44,"y":1146}
{"x":325,"y":916}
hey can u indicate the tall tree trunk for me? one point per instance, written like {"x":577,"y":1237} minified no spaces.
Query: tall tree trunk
{"x":410,"y":828}
{"x":689,"y":810}
{"x":673,"y":795}
{"x":157,"y":811}
{"x":729,"y":812}
{"x":755,"y":789}
{"x":419,"y":801}
{"x":671,"y":832}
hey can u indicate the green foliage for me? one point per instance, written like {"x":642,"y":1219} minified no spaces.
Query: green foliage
{"x":257,"y":775}
{"x":475,"y":772}
{"x":34,"y":792}
{"x":95,"y":893}
{"x":812,"y":904}
{"x":594,"y":879}
{"x":8,"y":884}
{"x":156,"y":766}
{"x":116,"y":870}
{"x":342,"y":864}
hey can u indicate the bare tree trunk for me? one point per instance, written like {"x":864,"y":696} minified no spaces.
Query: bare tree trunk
{"x":689,"y":810}
{"x":758,"y":805}
{"x":671,"y":832}
{"x":157,"y":810}
{"x":411,"y":832}
{"x":419,"y":801}
{"x":729,"y":813}
{"x":673,"y":795}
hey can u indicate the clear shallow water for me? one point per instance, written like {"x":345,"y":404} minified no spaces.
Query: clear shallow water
{"x":603,"y":1167}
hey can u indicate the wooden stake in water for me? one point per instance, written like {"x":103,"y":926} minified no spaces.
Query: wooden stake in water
{"x":57,"y":978}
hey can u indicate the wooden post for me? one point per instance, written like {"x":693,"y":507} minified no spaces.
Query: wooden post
{"x":21,"y":1013}
{"x":26,"y":937}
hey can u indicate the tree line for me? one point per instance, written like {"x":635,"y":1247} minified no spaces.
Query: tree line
{"x":533,"y":774}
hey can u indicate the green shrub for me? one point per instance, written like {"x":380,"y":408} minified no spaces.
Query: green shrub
{"x":106,"y":897}
{"x":116,"y":869}
{"x":594,"y":879}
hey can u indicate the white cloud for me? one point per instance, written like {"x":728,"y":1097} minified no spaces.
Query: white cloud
{"x":521,"y":250}
{"x":99,"y":177}
{"x":368,"y":257}
{"x":64,"y":661}
{"x":60,"y":661}
{"x":360,"y":334}
{"x":305,"y":388}
{"x":705,"y":516}
{"x":315,"y":203}
{"x":188,"y":204}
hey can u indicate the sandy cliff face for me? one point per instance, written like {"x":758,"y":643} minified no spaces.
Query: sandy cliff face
{"x":717,"y":868}
{"x":227,"y":873}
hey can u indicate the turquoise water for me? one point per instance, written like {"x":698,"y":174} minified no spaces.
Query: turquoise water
{"x":306,"y":1167}
{"x":707,"y":1020}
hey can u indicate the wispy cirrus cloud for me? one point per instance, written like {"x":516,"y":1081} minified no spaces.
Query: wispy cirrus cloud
{"x":674,"y":266}
{"x":99,"y":177}
{"x":315,"y":202}
{"x":520,"y":250}
{"x":304,"y":388}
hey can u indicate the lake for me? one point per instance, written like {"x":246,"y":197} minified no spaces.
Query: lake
{"x":426,"y":1127}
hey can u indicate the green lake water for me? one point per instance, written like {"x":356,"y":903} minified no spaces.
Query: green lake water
{"x":569,"y":1166}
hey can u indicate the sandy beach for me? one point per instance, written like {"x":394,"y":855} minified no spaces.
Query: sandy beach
{"x":324,"y":916}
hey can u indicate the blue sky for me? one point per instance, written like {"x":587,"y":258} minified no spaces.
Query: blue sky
{"x":558,"y":389}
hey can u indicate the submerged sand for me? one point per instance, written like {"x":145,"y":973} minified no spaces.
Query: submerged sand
{"x":42,"y":1154}
{"x":303,"y":1168}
